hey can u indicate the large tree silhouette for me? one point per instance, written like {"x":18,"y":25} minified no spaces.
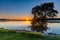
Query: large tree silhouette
{"x":41,"y":12}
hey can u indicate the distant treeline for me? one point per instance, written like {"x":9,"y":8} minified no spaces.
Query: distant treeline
{"x":28,"y":20}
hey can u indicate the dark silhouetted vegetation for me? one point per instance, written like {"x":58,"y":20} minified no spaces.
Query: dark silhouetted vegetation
{"x":41,"y":12}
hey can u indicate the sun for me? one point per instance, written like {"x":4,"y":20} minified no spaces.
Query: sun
{"x":27,"y":19}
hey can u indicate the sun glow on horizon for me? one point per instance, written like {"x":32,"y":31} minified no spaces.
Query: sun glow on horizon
{"x":27,"y":19}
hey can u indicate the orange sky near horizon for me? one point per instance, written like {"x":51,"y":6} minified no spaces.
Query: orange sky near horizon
{"x":16,"y":17}
{"x":20,"y":17}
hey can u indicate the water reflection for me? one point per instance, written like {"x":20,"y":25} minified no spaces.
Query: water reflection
{"x":23,"y":25}
{"x":54,"y":28}
{"x":15,"y":25}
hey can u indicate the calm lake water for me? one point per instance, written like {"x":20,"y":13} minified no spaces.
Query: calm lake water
{"x":23,"y":25}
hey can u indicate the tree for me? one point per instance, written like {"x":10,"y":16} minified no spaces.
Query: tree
{"x":41,"y":12}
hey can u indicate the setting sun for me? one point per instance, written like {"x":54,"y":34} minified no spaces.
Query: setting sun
{"x":27,"y":19}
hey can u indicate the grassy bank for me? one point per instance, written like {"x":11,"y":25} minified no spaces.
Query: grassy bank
{"x":12,"y":35}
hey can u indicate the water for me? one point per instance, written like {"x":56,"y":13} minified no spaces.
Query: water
{"x":54,"y":28}
{"x":23,"y":25}
{"x":16,"y":25}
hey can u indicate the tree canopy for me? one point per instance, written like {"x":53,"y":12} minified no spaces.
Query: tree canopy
{"x":43,"y":11}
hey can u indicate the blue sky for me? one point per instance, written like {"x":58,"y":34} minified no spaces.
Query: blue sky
{"x":21,"y":8}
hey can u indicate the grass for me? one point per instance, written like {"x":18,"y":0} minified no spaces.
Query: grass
{"x":18,"y":36}
{"x":12,"y":35}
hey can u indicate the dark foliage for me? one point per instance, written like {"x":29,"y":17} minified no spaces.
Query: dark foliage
{"x":40,"y":12}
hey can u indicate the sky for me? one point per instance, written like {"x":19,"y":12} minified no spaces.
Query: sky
{"x":19,"y":9}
